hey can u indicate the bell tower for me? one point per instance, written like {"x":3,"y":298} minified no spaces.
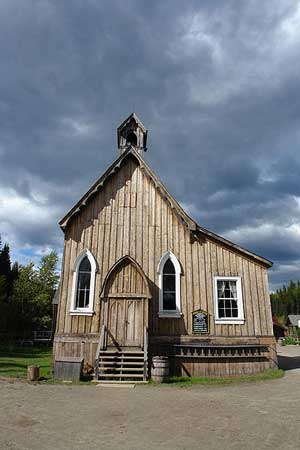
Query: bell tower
{"x":132,"y":133}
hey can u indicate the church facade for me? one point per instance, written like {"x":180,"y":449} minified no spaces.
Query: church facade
{"x":140,"y":278}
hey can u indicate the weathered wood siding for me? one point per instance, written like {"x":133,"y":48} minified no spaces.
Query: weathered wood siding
{"x":128,"y":216}
{"x":125,"y":280}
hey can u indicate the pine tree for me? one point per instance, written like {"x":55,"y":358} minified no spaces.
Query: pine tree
{"x":5,"y":265}
{"x":286,"y":300}
{"x":14,"y":275}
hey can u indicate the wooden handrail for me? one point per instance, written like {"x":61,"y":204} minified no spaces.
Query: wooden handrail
{"x":101,"y":346}
{"x":102,"y":338}
{"x":145,"y":353}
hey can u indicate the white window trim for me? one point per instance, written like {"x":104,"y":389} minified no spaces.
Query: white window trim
{"x":176,"y":313}
{"x":240,"y":320}
{"x":89,"y":311}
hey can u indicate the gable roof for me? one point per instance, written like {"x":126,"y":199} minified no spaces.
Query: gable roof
{"x":196,"y":230}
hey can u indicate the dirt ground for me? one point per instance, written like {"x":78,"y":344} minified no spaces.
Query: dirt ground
{"x":256,"y":415}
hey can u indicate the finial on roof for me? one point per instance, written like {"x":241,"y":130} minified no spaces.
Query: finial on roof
{"x":132,"y":133}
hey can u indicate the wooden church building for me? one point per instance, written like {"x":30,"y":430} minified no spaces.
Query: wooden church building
{"x":140,"y":278}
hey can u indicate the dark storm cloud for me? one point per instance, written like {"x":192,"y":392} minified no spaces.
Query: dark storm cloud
{"x":216,"y":83}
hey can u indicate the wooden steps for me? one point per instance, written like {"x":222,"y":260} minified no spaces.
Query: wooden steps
{"x":118,"y":375}
{"x":119,"y":363}
{"x":118,"y":352}
{"x":132,"y":358}
{"x":121,"y":366}
{"x":118,"y":383}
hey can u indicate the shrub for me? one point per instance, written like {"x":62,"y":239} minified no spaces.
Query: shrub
{"x":288,"y":340}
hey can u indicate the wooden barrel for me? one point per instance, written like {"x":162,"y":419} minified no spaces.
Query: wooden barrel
{"x":160,"y":369}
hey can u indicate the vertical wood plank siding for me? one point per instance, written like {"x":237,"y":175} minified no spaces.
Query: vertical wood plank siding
{"x":128,"y":216}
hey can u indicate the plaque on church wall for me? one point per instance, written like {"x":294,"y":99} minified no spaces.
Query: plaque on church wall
{"x":200,"y":322}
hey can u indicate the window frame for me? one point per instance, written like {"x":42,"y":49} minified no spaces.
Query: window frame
{"x":240,"y":319}
{"x":169,"y":313}
{"x":89,"y":310}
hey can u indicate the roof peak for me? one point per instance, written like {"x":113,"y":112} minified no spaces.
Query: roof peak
{"x":197,"y":231}
{"x":134,"y":116}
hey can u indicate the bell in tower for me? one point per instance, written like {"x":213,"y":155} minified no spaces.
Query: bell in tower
{"x":132,"y":133}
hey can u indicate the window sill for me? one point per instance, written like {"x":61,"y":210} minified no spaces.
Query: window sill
{"x":229,"y":322}
{"x":81,"y":313}
{"x":169,"y":315}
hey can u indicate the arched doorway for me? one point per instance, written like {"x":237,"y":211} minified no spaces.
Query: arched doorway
{"x":125,"y":297}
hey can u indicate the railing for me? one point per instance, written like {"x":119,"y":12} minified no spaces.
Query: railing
{"x":101,"y":346}
{"x":145,"y":353}
{"x":42,"y":336}
{"x":246,"y":351}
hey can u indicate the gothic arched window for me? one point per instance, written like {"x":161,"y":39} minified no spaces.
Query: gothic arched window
{"x":83,"y":284}
{"x":169,"y":286}
{"x":169,"y":272}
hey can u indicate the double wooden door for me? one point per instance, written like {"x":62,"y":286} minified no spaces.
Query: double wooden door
{"x":125,"y":322}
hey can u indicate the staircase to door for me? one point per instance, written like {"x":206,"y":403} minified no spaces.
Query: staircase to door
{"x":121,"y":365}
{"x":122,"y":353}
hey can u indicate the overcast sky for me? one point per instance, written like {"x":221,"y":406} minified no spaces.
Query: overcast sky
{"x":217,"y":84}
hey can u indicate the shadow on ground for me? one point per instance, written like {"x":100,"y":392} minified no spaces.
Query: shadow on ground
{"x":288,"y":362}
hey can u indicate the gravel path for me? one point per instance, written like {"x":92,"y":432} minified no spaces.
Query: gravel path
{"x":260,"y":415}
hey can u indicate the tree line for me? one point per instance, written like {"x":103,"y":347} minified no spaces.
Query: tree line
{"x":285,"y":301}
{"x":26,"y":293}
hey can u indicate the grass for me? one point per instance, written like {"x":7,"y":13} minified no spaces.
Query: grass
{"x":270,"y":374}
{"x":14,"y":360}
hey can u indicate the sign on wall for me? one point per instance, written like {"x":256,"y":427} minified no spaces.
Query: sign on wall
{"x":200,"y":322}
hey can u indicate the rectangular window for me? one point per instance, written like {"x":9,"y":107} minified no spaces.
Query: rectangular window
{"x":228,"y":300}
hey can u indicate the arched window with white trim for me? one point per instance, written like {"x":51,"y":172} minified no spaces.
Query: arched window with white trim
{"x":169,"y":272}
{"x":83,"y":284}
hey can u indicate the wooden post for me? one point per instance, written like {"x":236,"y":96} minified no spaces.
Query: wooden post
{"x":33,"y":373}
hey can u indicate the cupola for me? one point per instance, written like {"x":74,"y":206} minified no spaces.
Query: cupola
{"x":132,"y":133}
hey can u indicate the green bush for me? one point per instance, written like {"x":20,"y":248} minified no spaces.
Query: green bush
{"x":290,"y":341}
